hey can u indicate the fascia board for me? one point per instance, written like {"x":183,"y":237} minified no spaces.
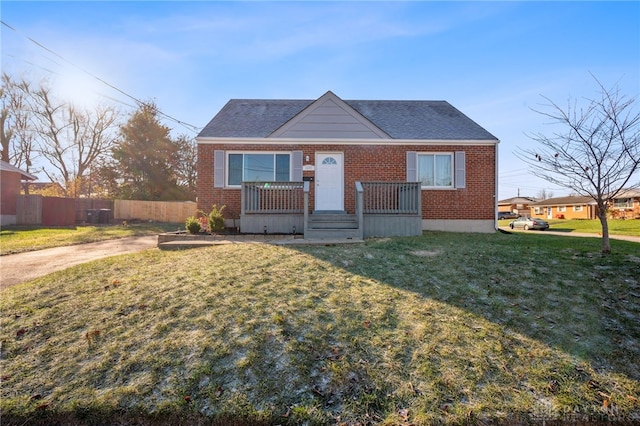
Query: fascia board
{"x":333,"y":141}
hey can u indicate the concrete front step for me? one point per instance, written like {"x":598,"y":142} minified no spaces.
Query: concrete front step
{"x":332,"y":233}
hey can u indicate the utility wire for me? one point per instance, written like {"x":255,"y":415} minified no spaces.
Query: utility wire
{"x":136,"y":100}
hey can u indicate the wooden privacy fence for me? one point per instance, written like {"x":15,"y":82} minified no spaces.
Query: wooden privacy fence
{"x":158,"y":211}
{"x":45,"y":211}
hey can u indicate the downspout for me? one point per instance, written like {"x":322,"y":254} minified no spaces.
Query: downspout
{"x":495,"y":193}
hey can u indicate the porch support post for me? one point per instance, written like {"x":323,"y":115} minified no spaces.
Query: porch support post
{"x":305,"y":206}
{"x":243,"y":193}
{"x":360,"y":209}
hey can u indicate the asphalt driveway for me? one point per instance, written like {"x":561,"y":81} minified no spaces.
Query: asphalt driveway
{"x":21,"y":267}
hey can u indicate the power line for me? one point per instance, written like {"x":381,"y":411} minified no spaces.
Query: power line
{"x":101,"y":80}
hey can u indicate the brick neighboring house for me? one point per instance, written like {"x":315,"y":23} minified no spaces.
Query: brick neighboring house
{"x":626,"y":205}
{"x":381,"y":163}
{"x":517,"y":205}
{"x":10,"y":185}
{"x":571,"y":207}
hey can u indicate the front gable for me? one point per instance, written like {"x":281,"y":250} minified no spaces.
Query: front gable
{"x":329,"y":117}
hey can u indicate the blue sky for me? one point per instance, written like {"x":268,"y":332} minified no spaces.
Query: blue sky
{"x":491,"y":60}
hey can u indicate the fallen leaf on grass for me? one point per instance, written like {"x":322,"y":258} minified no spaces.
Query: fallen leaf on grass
{"x":92,"y":334}
{"x":218,"y":392}
{"x":404,"y":414}
{"x":593,"y":384}
{"x":21,"y":332}
{"x":187,"y":399}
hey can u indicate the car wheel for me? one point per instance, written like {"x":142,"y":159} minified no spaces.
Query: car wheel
{"x":526,"y":227}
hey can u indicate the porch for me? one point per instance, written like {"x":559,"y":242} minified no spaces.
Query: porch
{"x":382,"y":209}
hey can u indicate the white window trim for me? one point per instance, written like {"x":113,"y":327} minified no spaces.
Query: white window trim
{"x":628,"y":204}
{"x":226,"y":163}
{"x":577,"y":208}
{"x":562,"y":209}
{"x":453,"y":171}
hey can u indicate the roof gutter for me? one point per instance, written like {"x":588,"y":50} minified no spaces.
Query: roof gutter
{"x":340,"y":141}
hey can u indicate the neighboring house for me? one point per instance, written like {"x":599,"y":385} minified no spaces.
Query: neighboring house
{"x":10,"y":185}
{"x":353,"y":168}
{"x":517,"y":205}
{"x":52,"y":189}
{"x":626,"y":205}
{"x":571,"y":207}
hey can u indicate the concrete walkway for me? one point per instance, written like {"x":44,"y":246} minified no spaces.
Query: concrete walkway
{"x":21,"y":267}
{"x":575,"y":234}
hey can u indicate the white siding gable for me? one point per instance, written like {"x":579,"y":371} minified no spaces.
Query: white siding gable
{"x":329,"y":117}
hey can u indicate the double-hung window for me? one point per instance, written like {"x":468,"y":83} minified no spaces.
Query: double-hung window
{"x":258,"y":167}
{"x":435,"y":170}
{"x":622,"y":203}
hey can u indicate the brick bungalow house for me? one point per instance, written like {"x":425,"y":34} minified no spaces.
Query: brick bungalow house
{"x":571,"y":207}
{"x":517,"y":205}
{"x":626,"y":205}
{"x":10,"y":185}
{"x":348,"y":168}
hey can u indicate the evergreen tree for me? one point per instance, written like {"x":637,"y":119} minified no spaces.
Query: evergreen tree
{"x":145,"y":159}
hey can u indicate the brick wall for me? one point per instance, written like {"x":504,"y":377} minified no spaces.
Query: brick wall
{"x":10,"y":190}
{"x":372,"y":163}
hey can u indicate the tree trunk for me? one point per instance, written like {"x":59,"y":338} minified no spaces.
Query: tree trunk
{"x":606,"y":245}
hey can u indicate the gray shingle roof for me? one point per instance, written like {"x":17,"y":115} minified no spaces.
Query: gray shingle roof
{"x":565,"y":201}
{"x":430,"y":120}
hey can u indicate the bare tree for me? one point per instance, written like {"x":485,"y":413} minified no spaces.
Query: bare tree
{"x":595,"y":152}
{"x":16,"y":131}
{"x":72,"y":140}
{"x":543,"y":194}
{"x":186,"y":170}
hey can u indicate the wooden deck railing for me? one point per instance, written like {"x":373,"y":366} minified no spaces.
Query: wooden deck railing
{"x":272,"y":197}
{"x":391,"y":198}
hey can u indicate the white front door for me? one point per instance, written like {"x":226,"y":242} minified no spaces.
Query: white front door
{"x":329,"y":181}
{"x":549,"y":213}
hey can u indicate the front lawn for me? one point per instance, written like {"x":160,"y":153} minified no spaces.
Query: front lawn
{"x":18,"y":239}
{"x":629,"y":227}
{"x":444,"y":328}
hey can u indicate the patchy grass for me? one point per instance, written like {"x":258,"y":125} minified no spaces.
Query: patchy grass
{"x":18,"y":239}
{"x":443,"y":328}
{"x":629,"y":227}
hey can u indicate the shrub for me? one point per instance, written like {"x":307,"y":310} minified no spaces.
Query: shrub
{"x":193,"y":225}
{"x":216,"y":220}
